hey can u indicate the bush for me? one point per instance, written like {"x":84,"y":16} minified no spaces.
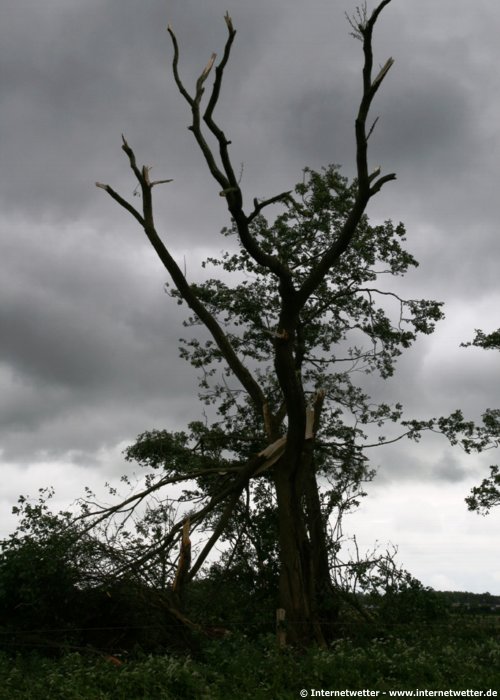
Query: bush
{"x":55,"y":593}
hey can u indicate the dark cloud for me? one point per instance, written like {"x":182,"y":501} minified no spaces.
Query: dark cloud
{"x":449,"y":469}
{"x":87,"y":335}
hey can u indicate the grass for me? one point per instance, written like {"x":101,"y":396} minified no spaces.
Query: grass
{"x":449,"y":658}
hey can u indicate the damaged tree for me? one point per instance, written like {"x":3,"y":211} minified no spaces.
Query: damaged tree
{"x":293,"y":426}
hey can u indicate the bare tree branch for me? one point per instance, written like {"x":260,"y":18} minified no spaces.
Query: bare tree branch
{"x":217,"y":532}
{"x":186,"y":291}
{"x":208,"y":115}
{"x":226,"y":177}
{"x":122,"y":202}
{"x":365,"y":191}
{"x":259,"y":206}
{"x":194,"y":103}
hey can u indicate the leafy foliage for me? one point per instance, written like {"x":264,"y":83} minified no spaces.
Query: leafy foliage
{"x":488,"y":341}
{"x":456,"y":656}
{"x":344,"y":308}
{"x":487,"y":495}
{"x":40,"y":566}
{"x":349,"y":326}
{"x":58,"y":590}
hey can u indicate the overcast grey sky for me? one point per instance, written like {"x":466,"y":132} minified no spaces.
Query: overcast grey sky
{"x":88,"y":338}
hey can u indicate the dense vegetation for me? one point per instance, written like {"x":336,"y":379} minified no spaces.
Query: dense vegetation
{"x":66,"y":635}
{"x":447,"y":657}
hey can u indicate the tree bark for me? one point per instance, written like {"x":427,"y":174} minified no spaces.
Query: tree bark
{"x":306,"y":590}
{"x":295,"y":558}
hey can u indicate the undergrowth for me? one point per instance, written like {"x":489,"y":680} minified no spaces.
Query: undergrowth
{"x":242,"y":668}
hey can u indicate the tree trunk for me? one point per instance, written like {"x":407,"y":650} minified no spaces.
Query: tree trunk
{"x":326,"y":598}
{"x":294,"y":591}
{"x":306,"y":591}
